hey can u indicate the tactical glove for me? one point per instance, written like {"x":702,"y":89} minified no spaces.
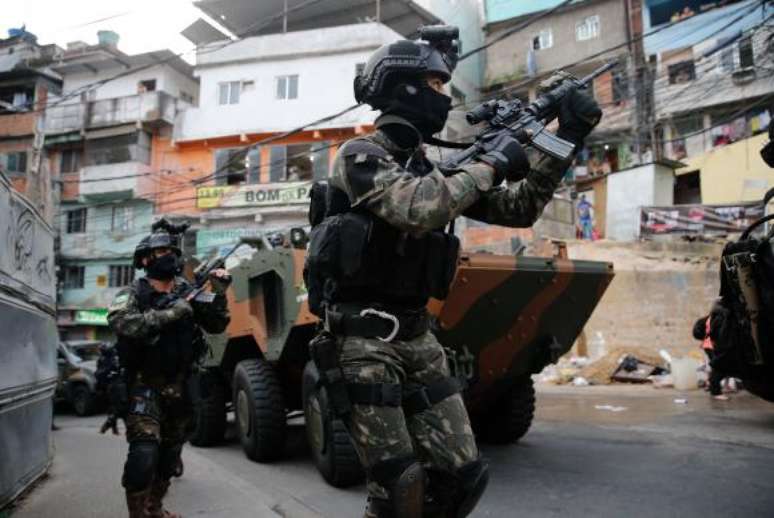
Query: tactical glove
{"x":178,"y":310}
{"x":508,"y":158}
{"x":219,"y":284}
{"x":578,"y":115}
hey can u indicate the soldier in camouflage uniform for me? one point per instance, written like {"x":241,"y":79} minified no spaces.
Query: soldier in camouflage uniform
{"x":159,"y":341}
{"x":378,"y":252}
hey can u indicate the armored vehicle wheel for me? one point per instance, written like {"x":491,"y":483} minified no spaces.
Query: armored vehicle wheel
{"x":84,"y":402}
{"x":210,"y":415}
{"x":260,"y":410}
{"x":332,"y":449}
{"x":510,"y":417}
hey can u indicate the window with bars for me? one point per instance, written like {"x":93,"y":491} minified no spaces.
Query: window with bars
{"x":76,"y":220}
{"x":544,"y":40}
{"x":71,"y":161}
{"x":228,"y":92}
{"x":120,"y":275}
{"x":587,"y":29}
{"x":73,"y":277}
{"x":746,"y":57}
{"x":682,"y":72}
{"x":299,"y":162}
{"x":121,"y":220}
{"x":233,"y":166}
{"x":287,"y":87}
{"x":15,"y":162}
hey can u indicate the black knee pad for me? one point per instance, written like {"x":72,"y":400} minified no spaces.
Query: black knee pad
{"x":456,"y":494}
{"x":169,"y":456}
{"x":404,"y":480}
{"x":140,"y":465}
{"x":473,"y":478}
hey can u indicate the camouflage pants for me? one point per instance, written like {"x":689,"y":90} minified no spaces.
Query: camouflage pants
{"x":440,"y":437}
{"x":160,"y":416}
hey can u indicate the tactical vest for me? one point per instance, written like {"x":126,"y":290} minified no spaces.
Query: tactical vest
{"x":355,"y":256}
{"x":178,"y":345}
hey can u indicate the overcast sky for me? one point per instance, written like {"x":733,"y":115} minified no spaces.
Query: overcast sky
{"x":143,"y":25}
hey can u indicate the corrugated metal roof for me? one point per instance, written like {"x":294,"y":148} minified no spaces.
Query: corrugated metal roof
{"x":202,"y":32}
{"x":251,"y":17}
{"x":499,"y":10}
{"x":712,"y":23}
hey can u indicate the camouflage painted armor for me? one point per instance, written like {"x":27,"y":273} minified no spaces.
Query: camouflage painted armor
{"x":161,"y":354}
{"x":418,"y":199}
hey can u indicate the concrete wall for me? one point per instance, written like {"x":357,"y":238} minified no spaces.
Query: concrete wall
{"x":654,"y":309}
{"x":507,"y":60}
{"x":628,"y":190}
{"x":714,"y":85}
{"x":733,"y":173}
{"x":92,"y":296}
{"x":167,"y":80}
{"x":324,"y":59}
{"x":98,"y":248}
{"x":659,"y":290}
{"x":99,"y":240}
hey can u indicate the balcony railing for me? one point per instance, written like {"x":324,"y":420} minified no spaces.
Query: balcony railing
{"x":149,"y":107}
{"x":111,"y":180}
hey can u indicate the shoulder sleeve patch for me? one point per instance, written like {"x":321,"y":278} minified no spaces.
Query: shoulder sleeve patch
{"x":361,"y":174}
{"x":119,"y":302}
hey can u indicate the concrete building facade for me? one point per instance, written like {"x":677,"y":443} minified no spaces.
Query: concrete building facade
{"x":26,"y":84}
{"x":100,"y":137}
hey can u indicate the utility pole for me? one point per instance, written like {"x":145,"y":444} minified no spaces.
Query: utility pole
{"x":378,"y":11}
{"x":285,"y":17}
{"x":643,"y":123}
{"x":39,"y":179}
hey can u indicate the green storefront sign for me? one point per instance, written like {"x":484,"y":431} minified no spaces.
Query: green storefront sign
{"x":93,"y":317}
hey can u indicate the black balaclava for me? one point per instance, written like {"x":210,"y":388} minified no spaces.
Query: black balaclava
{"x":423,"y":107}
{"x":163,"y":268}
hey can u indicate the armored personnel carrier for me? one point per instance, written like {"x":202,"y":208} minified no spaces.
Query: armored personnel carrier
{"x":506,"y":318}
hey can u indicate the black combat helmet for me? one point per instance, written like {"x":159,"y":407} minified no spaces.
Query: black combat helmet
{"x":141,"y":251}
{"x":161,"y":239}
{"x":407,"y":60}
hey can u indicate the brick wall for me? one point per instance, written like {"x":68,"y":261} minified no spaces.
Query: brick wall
{"x":17,"y":125}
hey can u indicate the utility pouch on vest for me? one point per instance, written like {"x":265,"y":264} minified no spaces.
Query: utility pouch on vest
{"x":442,"y":252}
{"x":118,"y":395}
{"x":317,"y":203}
{"x":321,"y":261}
{"x":145,"y":403}
{"x":324,"y":352}
{"x":355,"y":230}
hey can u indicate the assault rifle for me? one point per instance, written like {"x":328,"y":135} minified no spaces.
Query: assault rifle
{"x":525,"y":122}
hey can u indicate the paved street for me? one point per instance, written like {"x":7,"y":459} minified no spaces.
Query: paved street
{"x":641,"y":454}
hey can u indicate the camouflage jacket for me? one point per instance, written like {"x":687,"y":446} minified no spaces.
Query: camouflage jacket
{"x":402,"y":187}
{"x":128,"y":319}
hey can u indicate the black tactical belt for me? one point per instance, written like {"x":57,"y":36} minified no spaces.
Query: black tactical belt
{"x":375,"y":323}
{"x":428,"y":395}
{"x":392,"y":394}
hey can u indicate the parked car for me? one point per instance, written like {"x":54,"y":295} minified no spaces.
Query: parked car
{"x":77,"y":364}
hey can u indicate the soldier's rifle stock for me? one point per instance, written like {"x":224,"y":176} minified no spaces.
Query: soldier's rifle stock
{"x":527,"y":123}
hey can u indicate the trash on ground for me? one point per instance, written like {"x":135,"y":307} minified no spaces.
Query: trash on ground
{"x":683,"y":372}
{"x":579,"y":381}
{"x":610,"y":408}
{"x":632,"y":370}
{"x":681,"y":401}
{"x":662,"y":381}
{"x":601,"y":371}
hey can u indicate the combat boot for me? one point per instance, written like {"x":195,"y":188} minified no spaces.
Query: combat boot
{"x":136,"y":502}
{"x":155,"y":507}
